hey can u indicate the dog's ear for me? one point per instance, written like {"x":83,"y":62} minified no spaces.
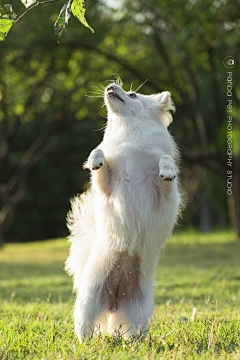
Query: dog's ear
{"x":165,"y":104}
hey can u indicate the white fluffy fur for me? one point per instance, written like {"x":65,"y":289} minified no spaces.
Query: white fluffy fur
{"x":131,"y":209}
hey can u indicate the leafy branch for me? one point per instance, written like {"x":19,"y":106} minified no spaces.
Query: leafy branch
{"x":8,"y":18}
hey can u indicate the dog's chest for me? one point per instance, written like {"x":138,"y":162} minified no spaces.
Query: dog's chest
{"x":134,"y":182}
{"x":133,"y":167}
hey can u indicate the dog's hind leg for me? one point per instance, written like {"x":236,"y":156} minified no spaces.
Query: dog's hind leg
{"x":91,"y":300}
{"x":88,"y":307}
{"x":132,"y":319}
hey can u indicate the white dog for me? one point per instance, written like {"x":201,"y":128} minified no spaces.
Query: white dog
{"x":120,"y":225}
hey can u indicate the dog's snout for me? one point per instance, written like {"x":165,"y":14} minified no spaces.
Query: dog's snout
{"x":112,"y":87}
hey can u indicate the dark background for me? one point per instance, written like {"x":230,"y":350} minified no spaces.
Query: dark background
{"x":48,"y":124}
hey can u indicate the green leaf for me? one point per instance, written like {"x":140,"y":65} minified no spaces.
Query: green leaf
{"x":28,"y":3}
{"x":5,"y":26}
{"x":7,"y":17}
{"x":6,"y":12}
{"x":8,"y":7}
{"x":62,"y":19}
{"x":79,"y":11}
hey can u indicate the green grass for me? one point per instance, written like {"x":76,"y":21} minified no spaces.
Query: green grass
{"x":196,"y":270}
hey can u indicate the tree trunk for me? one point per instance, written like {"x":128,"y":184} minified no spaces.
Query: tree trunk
{"x":6,"y":217}
{"x":204,"y":213}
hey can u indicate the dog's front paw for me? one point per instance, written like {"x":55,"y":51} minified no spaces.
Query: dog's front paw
{"x":95,"y":160}
{"x":167,"y":169}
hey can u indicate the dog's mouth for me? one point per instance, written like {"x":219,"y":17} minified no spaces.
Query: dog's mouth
{"x":111,"y":93}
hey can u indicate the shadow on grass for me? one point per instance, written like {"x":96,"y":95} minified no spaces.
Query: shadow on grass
{"x":20,"y":270}
{"x":185,"y":271}
{"x":196,"y":272}
{"x":35,"y":282}
{"x":201,"y":255}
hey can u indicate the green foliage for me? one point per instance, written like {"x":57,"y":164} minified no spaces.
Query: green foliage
{"x":77,"y":8}
{"x":5,"y":26}
{"x":196,"y":270}
{"x":63,"y":18}
{"x":7,"y":17}
{"x":74,"y":6}
{"x":6,"y":12}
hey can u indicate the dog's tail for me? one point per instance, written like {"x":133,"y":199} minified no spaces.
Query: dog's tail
{"x":81,"y":224}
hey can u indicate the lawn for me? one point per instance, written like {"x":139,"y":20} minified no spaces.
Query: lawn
{"x":195,"y":271}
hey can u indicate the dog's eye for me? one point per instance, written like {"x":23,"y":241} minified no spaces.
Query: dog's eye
{"x":132,"y":95}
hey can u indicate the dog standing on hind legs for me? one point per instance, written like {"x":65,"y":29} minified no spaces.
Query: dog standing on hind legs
{"x":118,"y":227}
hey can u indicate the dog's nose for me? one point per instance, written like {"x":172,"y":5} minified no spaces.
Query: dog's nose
{"x":112,"y":87}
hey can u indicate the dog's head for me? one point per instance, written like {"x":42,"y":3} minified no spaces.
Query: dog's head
{"x":133,"y":106}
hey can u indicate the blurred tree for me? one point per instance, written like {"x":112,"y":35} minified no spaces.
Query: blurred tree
{"x":30,"y":126}
{"x":47,"y":120}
